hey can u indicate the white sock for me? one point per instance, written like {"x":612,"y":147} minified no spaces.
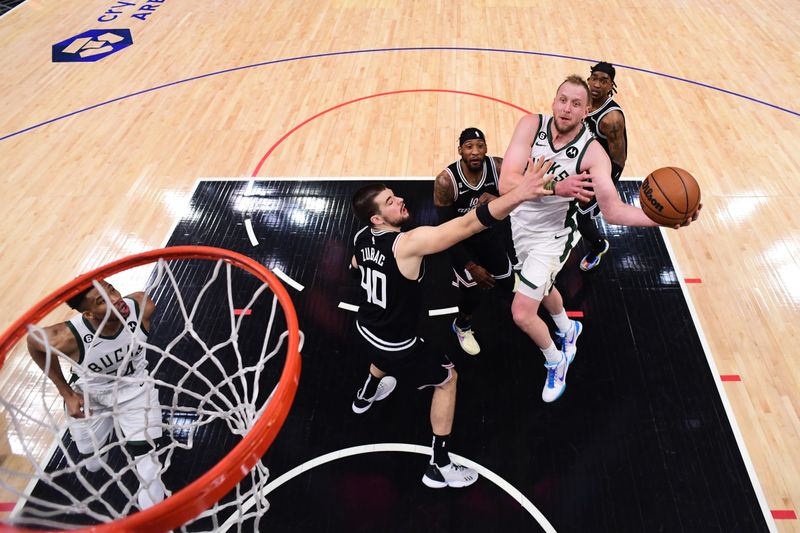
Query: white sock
{"x":552,"y":354}
{"x":151,"y":490}
{"x":563,"y":323}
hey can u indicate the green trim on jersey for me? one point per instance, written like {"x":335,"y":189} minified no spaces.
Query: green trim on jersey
{"x":91,"y":328}
{"x":78,"y":339}
{"x":571,"y":223}
{"x":573,"y":141}
{"x":583,"y":152}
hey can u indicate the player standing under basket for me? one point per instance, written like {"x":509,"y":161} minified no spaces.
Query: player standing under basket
{"x":109,"y":381}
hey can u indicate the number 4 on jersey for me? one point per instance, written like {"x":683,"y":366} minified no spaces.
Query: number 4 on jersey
{"x":374,"y":282}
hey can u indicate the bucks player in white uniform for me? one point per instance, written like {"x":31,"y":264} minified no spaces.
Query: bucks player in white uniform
{"x":544,"y":229}
{"x":109,"y":380}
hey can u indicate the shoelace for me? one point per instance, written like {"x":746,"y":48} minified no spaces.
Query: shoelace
{"x":564,"y":335}
{"x":551,"y":376}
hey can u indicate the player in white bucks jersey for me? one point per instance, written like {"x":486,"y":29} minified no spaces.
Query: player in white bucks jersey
{"x":481,"y":261}
{"x":544,"y":230}
{"x":607,"y":123}
{"x":390,"y":264}
{"x":109,"y":384}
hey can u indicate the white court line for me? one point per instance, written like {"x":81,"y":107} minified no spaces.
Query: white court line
{"x":348,"y":307}
{"x":443,"y":311}
{"x":707,"y":352}
{"x":394,"y":447}
{"x":748,"y":463}
{"x":248,"y":226}
{"x":286,"y":279}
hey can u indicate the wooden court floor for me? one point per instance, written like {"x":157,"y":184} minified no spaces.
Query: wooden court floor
{"x":98,"y":159}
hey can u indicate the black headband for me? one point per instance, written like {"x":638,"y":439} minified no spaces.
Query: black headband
{"x":607,"y":68}
{"x":471,"y":134}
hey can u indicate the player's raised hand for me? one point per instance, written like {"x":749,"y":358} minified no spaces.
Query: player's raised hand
{"x":576,"y":186}
{"x":536,"y":181}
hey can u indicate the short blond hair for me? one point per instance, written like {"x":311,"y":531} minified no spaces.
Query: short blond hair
{"x":576,"y":80}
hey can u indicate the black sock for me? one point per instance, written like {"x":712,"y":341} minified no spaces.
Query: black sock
{"x":370,"y":387}
{"x":598,"y":246}
{"x":440,"y":456}
{"x":463,"y":322}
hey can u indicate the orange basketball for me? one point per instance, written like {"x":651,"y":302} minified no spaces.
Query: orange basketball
{"x":669,"y":196}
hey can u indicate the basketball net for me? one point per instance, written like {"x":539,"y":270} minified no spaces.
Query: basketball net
{"x":225,"y":382}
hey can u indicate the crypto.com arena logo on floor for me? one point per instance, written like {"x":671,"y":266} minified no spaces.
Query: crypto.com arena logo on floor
{"x":91,"y":45}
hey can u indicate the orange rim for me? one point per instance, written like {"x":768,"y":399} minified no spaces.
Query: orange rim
{"x":209,"y":488}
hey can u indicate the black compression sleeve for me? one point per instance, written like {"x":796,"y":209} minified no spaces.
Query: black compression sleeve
{"x":485,"y":216}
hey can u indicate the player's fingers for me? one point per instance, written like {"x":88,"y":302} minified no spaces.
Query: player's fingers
{"x":548,"y":185}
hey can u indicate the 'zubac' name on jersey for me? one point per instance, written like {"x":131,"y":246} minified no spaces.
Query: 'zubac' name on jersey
{"x":371,"y":254}
{"x":111,"y":361}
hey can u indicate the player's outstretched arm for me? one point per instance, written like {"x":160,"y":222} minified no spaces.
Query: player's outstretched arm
{"x":614,"y":210}
{"x":427,"y":240}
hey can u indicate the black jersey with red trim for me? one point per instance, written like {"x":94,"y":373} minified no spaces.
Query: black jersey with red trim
{"x":467,"y":195}
{"x":387,"y":316}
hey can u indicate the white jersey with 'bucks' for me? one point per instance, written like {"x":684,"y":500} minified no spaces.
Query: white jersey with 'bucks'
{"x":103,"y":359}
{"x":550,"y":218}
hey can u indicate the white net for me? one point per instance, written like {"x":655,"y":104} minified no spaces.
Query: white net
{"x":162,"y":405}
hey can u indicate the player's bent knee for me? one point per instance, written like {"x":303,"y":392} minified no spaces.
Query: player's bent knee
{"x":524,"y":310}
{"x":522,"y":315}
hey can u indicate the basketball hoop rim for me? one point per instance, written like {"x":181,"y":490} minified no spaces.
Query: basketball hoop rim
{"x":206,"y":490}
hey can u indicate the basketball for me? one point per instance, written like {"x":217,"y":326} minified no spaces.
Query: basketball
{"x":669,"y":196}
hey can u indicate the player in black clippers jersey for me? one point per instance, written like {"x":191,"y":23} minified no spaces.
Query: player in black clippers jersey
{"x":607,"y":122}
{"x":391,"y":264}
{"x":481,"y":261}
